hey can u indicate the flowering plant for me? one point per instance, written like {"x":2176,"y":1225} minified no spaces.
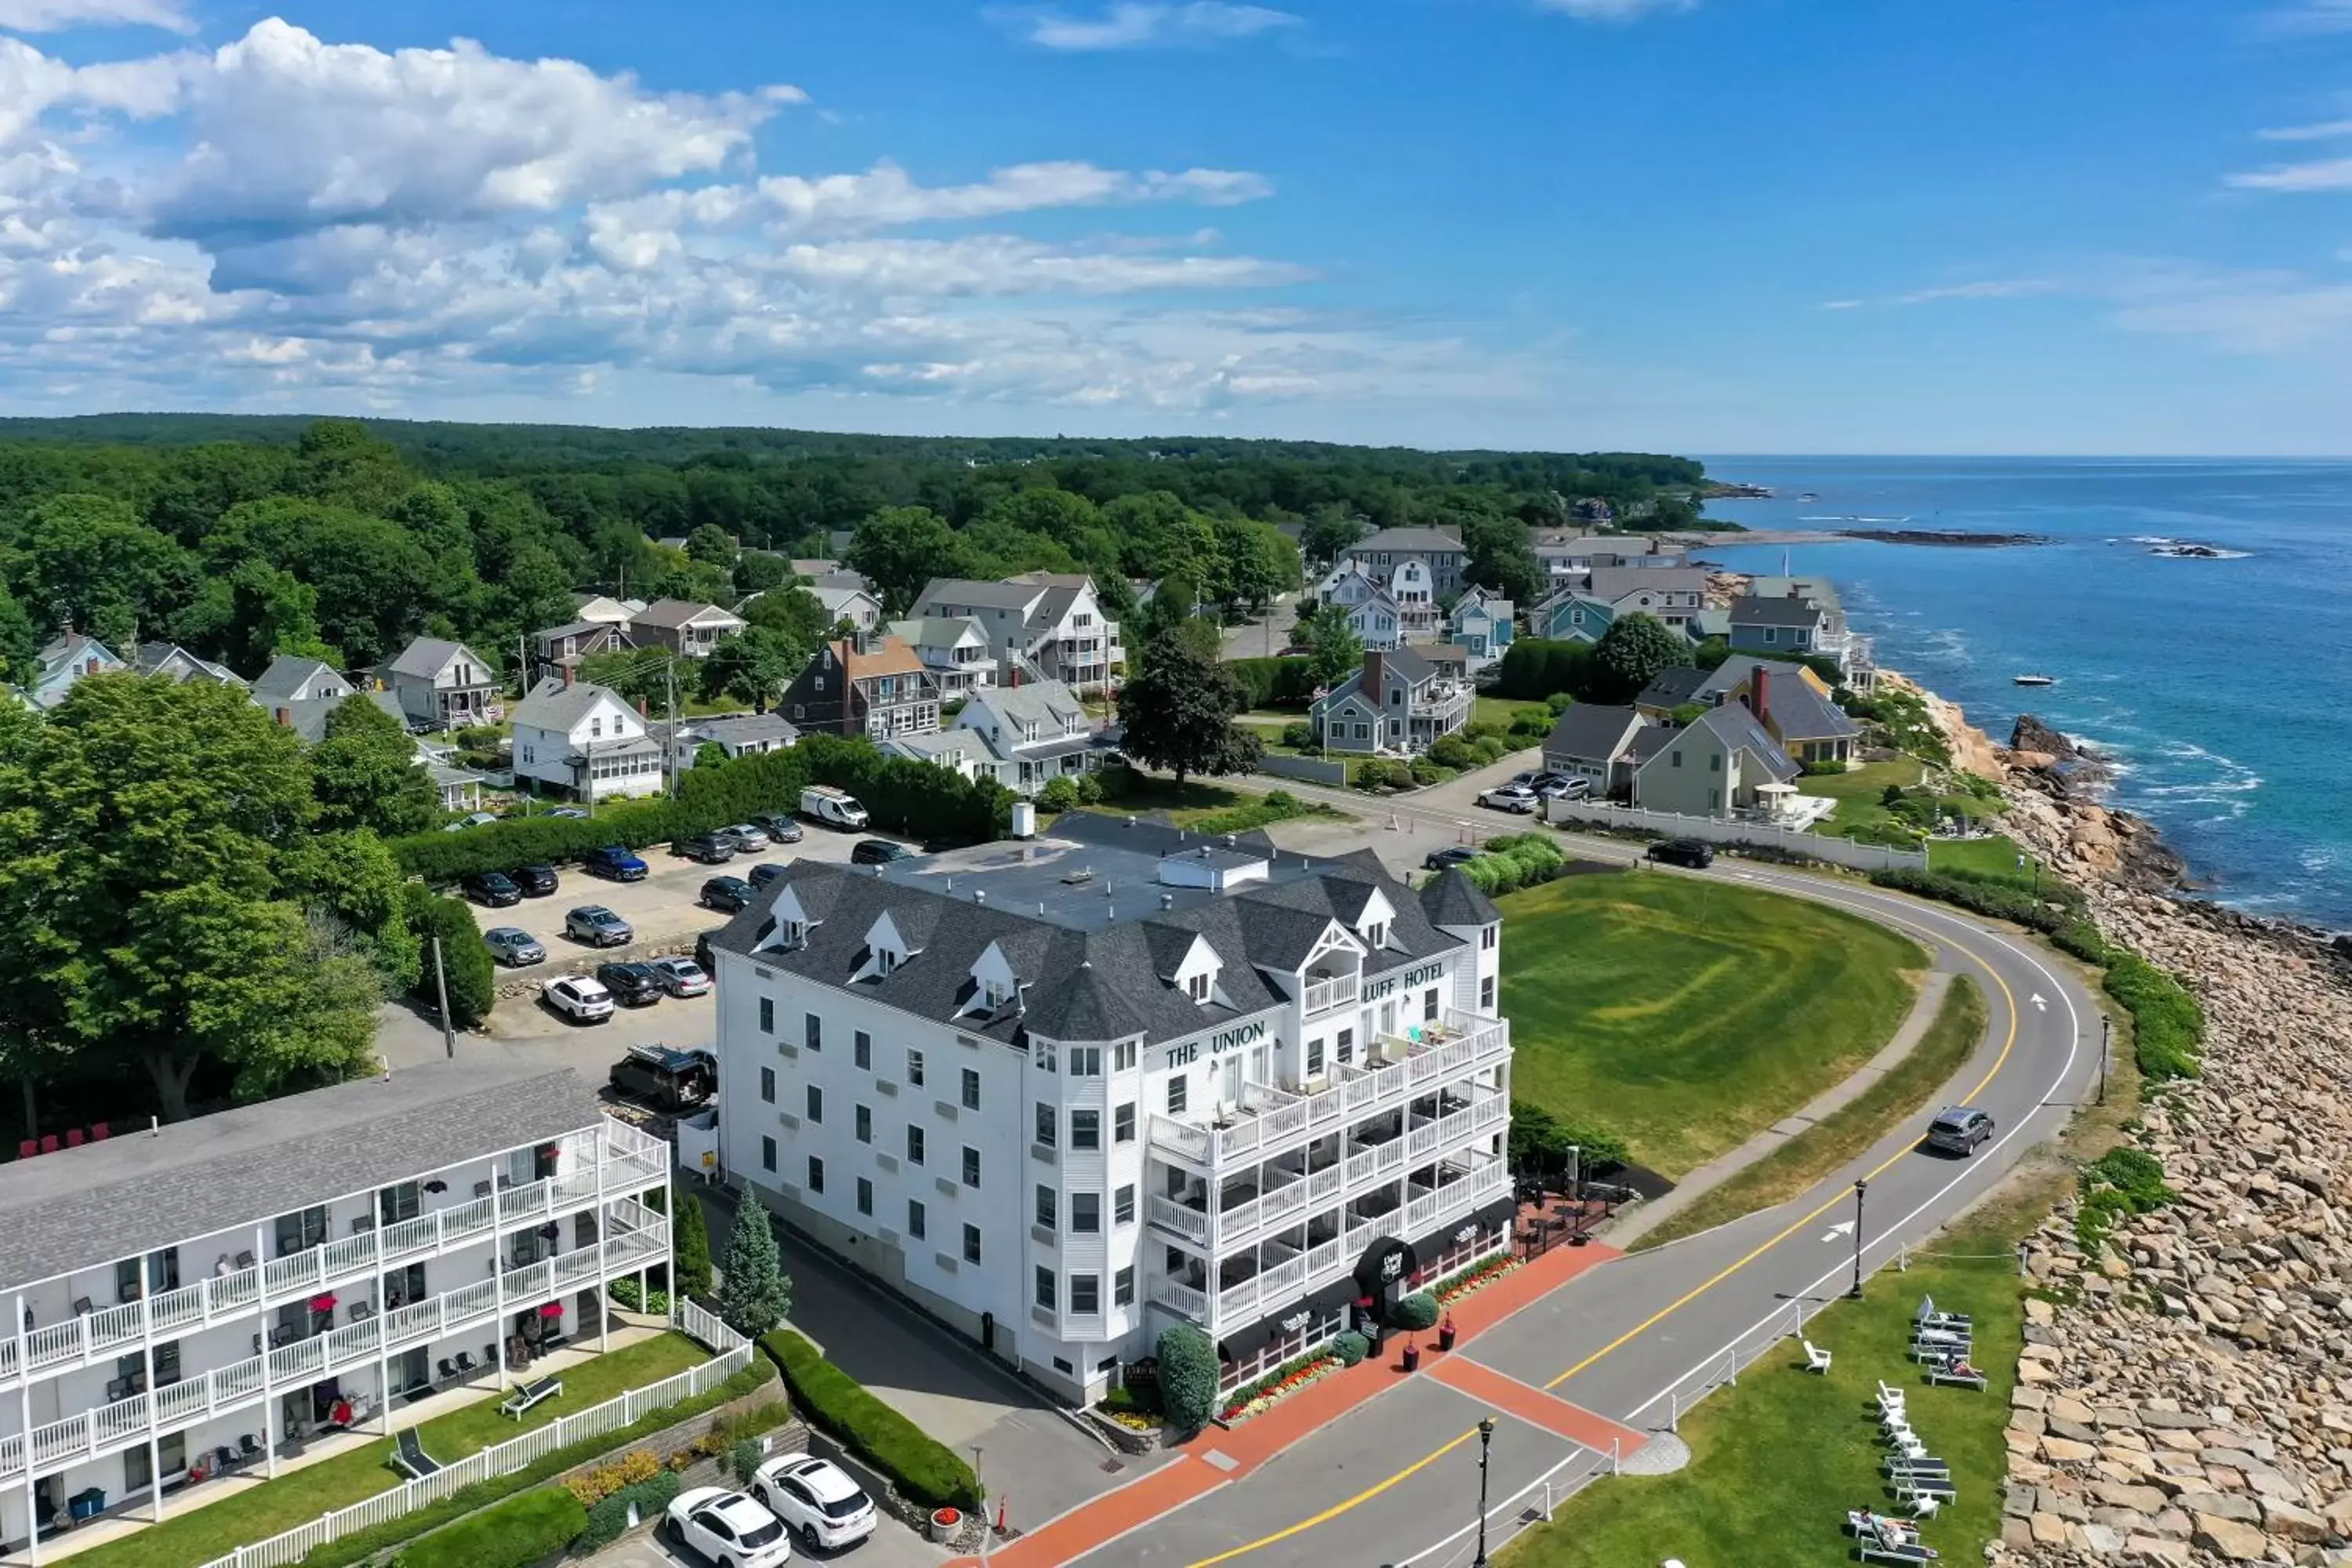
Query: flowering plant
{"x":1267,"y":1392}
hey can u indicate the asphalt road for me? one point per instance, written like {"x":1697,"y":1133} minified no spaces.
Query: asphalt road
{"x":1641,"y":1338}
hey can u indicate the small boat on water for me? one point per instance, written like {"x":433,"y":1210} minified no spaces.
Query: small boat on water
{"x":1809,"y":497}
{"x":2035,"y":679}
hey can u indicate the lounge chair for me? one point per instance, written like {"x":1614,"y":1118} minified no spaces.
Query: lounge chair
{"x":1927,"y":1508}
{"x":1816,"y":1359}
{"x":409,"y":1455}
{"x":1956,"y":1371}
{"x":1929,"y":1469}
{"x":529,"y":1395}
{"x":1906,"y":1551}
{"x":1916,"y":1488}
{"x":1889,"y":1398}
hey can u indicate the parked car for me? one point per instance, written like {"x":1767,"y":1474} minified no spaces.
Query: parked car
{"x":631,"y":984}
{"x":730,"y":894}
{"x":1565,"y":788}
{"x":878,"y":852}
{"x":614,"y":862}
{"x":471,"y":819}
{"x":513,"y":946}
{"x":729,"y":1529}
{"x":598,"y":926}
{"x":578,"y":998}
{"x":779,"y":826}
{"x":765,"y":872}
{"x":495,"y":888}
{"x":1962,"y":1131}
{"x":1446,"y":859}
{"x":710,"y":848}
{"x":745,"y":838}
{"x":681,"y":976}
{"x":570,"y":812}
{"x":536,"y":881}
{"x":1695,"y":853}
{"x":1512,"y":797}
{"x":816,"y":1499}
{"x":666,"y":1077}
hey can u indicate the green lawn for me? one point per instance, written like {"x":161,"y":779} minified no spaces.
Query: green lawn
{"x":1210,"y":807}
{"x":270,"y":1508}
{"x":1867,"y":781}
{"x":1688,"y":1015}
{"x":1995,"y":857}
{"x":1502,"y":710}
{"x":1777,"y":1461}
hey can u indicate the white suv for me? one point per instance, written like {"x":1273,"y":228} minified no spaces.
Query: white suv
{"x":816,"y":1499}
{"x":579,"y":998}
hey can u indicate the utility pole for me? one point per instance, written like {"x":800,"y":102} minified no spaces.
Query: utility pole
{"x":984,"y":1531}
{"x":441,"y":994}
{"x":1859,"y":1188}
{"x":669,"y":762}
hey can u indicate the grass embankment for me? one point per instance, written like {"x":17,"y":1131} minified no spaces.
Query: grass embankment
{"x":1863,"y":813}
{"x":1997,"y":858}
{"x":1214,"y":809}
{"x":1778,"y":1459}
{"x":260,"y":1509}
{"x":1690,"y":1013}
{"x":1846,"y":1133}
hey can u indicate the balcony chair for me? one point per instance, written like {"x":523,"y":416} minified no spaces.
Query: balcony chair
{"x":465,"y":1367}
{"x":100,"y":1133}
{"x":245,"y":1260}
{"x":82,"y":1307}
{"x":529,"y":1395}
{"x":410,"y":1457}
{"x":73,"y":1137}
{"x":448,"y":1372}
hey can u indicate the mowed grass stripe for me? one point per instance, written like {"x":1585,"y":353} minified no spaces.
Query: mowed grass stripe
{"x":1688,"y":1014}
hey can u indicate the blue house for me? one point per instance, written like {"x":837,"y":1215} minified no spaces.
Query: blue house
{"x":67,"y":660}
{"x":1573,"y":617}
{"x":1482,"y":625}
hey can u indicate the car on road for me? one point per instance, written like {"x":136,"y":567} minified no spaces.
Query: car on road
{"x":710,"y":848}
{"x":495,"y":888}
{"x":578,"y":998}
{"x":513,"y":946}
{"x":631,"y":984}
{"x":666,"y":1077}
{"x":878,"y":852}
{"x":598,"y":926}
{"x":728,"y":1529}
{"x":780,"y":827}
{"x":681,"y":976}
{"x":816,"y":1499}
{"x":1961,"y":1129}
{"x":765,"y":872}
{"x":1695,"y":853}
{"x":537,"y":881}
{"x":731,"y":894}
{"x":746,"y":837}
{"x":1446,"y":859}
{"x":1513,"y":797}
{"x":613,"y":863}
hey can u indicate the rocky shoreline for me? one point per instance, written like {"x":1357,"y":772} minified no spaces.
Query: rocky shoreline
{"x":2185,"y":1397}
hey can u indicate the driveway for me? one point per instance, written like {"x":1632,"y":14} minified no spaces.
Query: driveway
{"x":892,"y":1545}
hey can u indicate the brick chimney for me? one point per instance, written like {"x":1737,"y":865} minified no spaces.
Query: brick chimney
{"x":1760,"y":693}
{"x":1376,"y":678}
{"x":569,"y":671}
{"x":285,"y":717}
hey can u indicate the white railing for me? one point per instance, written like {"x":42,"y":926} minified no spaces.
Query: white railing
{"x":1322,"y":996}
{"x":731,"y":1353}
{"x":1186,"y":1222}
{"x":1184,"y":1298}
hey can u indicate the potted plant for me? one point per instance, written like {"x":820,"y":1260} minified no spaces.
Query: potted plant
{"x":945,"y":1522}
{"x":1445,"y":1333}
{"x":1411,"y":1355}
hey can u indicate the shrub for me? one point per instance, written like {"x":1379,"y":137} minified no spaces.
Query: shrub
{"x":742,"y":1459}
{"x":471,"y":975}
{"x":1559,"y":703}
{"x":593,"y":1487}
{"x":1541,"y":1140}
{"x":1298,"y":736}
{"x":1351,"y":1347}
{"x":691,"y":1265}
{"x":2169,"y":1026}
{"x":608,"y":1521}
{"x":1274,"y":682}
{"x":1058,"y":795}
{"x":2121,"y":1180}
{"x":1138,"y":1399}
{"x":1187,"y":1377}
{"x":626,"y":1292}
{"x":1415,"y":1313}
{"x":1451,"y":752}
{"x":923,"y":1469}
{"x":520,"y":1530}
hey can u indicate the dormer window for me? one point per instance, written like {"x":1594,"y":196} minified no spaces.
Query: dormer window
{"x":996,"y":996}
{"x":1197,"y":988}
{"x":795,"y":933}
{"x":1376,"y":936}
{"x":886,"y":961}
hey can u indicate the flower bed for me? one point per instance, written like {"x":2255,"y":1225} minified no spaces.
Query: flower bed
{"x":1475,"y":1277}
{"x":1284,"y":1381}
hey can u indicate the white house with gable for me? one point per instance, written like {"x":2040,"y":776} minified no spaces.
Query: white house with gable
{"x":583,"y":739}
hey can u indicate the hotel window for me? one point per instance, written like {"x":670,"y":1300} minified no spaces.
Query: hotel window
{"x":1086,"y":1213}
{"x":768,"y":1085}
{"x":1376,"y":936}
{"x":1046,"y":1294}
{"x":1486,"y":996}
{"x":1488,"y":936}
{"x":813,"y":1032}
{"x":1123,"y":1056}
{"x":1429,"y":1005}
{"x":766,"y":1153}
{"x":865,"y":1196}
{"x":396,"y":1204}
{"x":1122,"y":1288}
{"x":1197,"y":988}
{"x":1085,"y":1061}
{"x":1122,"y":1205}
{"x":1086,"y":1129}
{"x":816,"y":1175}
{"x":861,"y":1051}
{"x":865,"y":1132}
{"x":1085,"y":1293}
{"x":970,"y":1166}
{"x":1344,"y":1047}
{"x":1122,"y":1123}
{"x":971,"y":1089}
{"x":914,"y":1145}
{"x":972,"y":1244}
{"x":297,"y":1232}
{"x":1314,"y":1059}
{"x":914,"y":1068}
{"x":1045,"y":1215}
{"x":767,"y":1015}
{"x":1046,"y":1124}
{"x":914,"y":1218}
{"x":815,"y":1102}
{"x":1176,"y":1095}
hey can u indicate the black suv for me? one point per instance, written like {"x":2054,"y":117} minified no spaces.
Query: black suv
{"x":666,"y":1077}
{"x":878,"y":852}
{"x":1695,"y":853}
{"x":536,"y":881}
{"x":707,"y":847}
{"x":631,"y":984}
{"x":765,"y":872}
{"x":495,"y":888}
{"x":1446,"y":859}
{"x":732,"y":894}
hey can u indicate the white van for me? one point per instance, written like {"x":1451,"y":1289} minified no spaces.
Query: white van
{"x":832,"y":807}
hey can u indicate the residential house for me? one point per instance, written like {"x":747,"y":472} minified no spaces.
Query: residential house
{"x":1437,"y":554}
{"x":1678,"y":686}
{"x":1721,"y":764}
{"x":737,"y":734}
{"x":683,"y":627}
{"x":563,"y":648}
{"x":68,"y":657}
{"x":1482,"y":625}
{"x":870,"y":684}
{"x":1379,"y":622}
{"x":1062,"y":1095}
{"x":175,"y":663}
{"x":445,"y":684}
{"x":1399,"y":702}
{"x":953,"y":649}
{"x":1793,"y":702}
{"x":610,"y":611}
{"x":228,"y":1284}
{"x":963,"y":752}
{"x":1573,"y":615}
{"x":307,"y":716}
{"x":1601,"y":744}
{"x":292,"y":679}
{"x":1672,"y":593}
{"x":1053,"y":620}
{"x":1801,"y":615}
{"x":855,"y":605}
{"x":572,"y":735}
{"x":1035,"y":732}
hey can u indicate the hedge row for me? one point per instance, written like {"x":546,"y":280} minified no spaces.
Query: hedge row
{"x":1274,"y":682}
{"x":903,"y":797}
{"x":521,"y":1531}
{"x":608,"y":1521}
{"x":1513,"y":861}
{"x":2168,"y":1024}
{"x":924,"y":1469}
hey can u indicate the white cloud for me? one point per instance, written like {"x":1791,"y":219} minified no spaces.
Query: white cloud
{"x":2311,"y":17}
{"x":1987,"y":288}
{"x":1142,"y":24}
{"x":1000,"y":264}
{"x":2322,"y":174}
{"x":56,"y":15}
{"x":1615,"y":10}
{"x":2326,"y":130}
{"x":2273,"y":312}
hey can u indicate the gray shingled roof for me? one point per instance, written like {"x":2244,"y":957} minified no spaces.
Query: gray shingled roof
{"x":967,"y":590}
{"x":677,"y":613}
{"x":1407,"y":540}
{"x":307,"y":718}
{"x":136,"y":1193}
{"x":1801,"y":712}
{"x":1673,"y":688}
{"x":1452,"y":899}
{"x":425,"y":656}
{"x":553,"y":705}
{"x":1751,"y":611}
{"x":287,"y":674}
{"x":1593,"y":731}
{"x":1737,"y":727}
{"x":1613,"y":583}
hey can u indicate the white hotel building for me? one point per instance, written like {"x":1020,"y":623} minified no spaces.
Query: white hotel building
{"x":1065,"y":1093}
{"x":224,"y":1283}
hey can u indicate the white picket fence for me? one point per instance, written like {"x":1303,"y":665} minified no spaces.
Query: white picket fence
{"x":731,"y":1353}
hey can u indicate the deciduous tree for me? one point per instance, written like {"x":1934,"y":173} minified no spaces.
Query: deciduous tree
{"x":1176,"y":712}
{"x":365,"y":774}
{"x":1631,"y":652}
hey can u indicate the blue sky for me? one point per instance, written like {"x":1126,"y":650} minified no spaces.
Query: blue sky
{"x":1708,"y":226}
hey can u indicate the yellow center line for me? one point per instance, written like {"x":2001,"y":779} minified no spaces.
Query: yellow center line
{"x":2009,"y":1003}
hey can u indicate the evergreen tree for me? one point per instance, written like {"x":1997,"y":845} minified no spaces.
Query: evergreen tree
{"x":756,"y":1292}
{"x":689,"y":1244}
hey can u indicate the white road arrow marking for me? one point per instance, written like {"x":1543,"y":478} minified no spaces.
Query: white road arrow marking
{"x":1842,"y":1228}
{"x":2040,"y":1006}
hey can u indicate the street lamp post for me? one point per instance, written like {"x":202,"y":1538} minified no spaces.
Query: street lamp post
{"x":1859,"y":1188}
{"x":2107,"y":1033}
{"x":1485,"y":1445}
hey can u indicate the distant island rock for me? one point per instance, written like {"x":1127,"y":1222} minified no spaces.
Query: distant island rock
{"x":1944,"y":536}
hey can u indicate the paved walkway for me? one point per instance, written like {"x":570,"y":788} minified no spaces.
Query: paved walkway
{"x":1631,"y":1227}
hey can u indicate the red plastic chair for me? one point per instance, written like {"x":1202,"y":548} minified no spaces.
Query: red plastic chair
{"x":99,"y":1133}
{"x":49,"y":1142}
{"x":27,"y":1149}
{"x":73,"y":1137}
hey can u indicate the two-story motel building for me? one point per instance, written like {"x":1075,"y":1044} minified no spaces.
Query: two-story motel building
{"x":1063,"y":1093}
{"x":229,"y":1283}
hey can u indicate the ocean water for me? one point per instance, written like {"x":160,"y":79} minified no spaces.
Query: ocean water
{"x":2221,"y":686}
